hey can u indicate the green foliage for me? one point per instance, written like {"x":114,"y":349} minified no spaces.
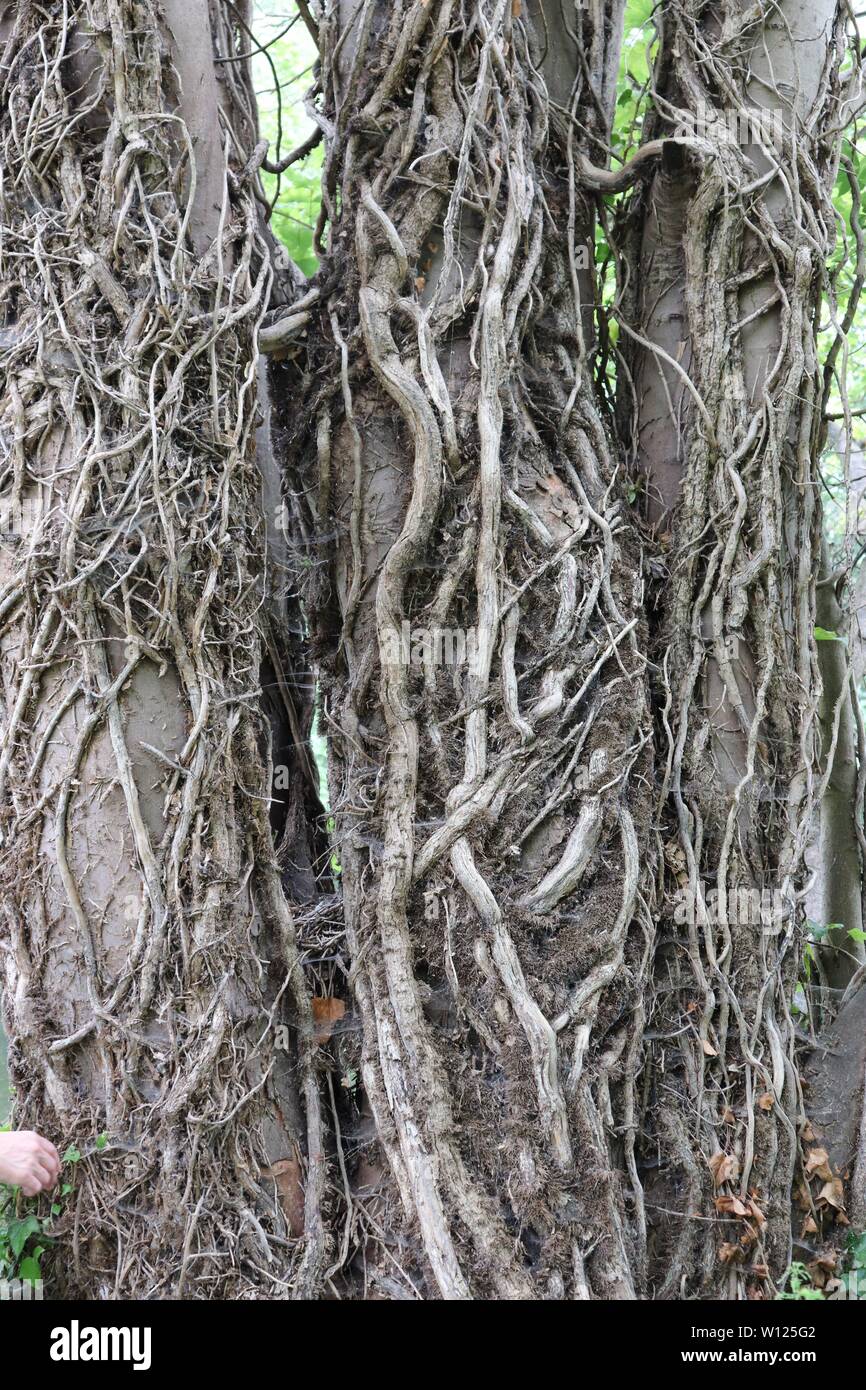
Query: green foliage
{"x":25,"y":1227}
{"x":638,"y":55}
{"x":851,"y":1283}
{"x":857,"y":1249}
{"x":816,"y":932}
{"x":632,"y":104}
{"x":297,"y":197}
{"x":282,"y":75}
{"x":800,"y":1287}
{"x":23,"y":1235}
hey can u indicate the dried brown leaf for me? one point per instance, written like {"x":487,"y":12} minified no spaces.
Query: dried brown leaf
{"x":729,"y":1254}
{"x":731,"y":1206}
{"x":326,"y":1012}
{"x":818,"y":1165}
{"x":724,"y":1168}
{"x":832,"y":1193}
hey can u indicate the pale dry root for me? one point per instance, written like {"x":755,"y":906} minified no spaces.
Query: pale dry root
{"x":148,"y":949}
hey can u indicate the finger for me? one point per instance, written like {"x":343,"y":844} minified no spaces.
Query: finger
{"x":48,"y":1154}
{"x":49,"y":1168}
{"x":30,"y":1187}
{"x":41,"y":1173}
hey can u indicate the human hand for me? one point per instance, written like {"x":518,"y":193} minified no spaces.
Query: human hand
{"x":28,"y":1161}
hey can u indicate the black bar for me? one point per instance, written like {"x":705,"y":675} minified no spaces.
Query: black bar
{"x":268,"y":1339}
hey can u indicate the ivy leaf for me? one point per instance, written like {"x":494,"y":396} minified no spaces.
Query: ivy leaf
{"x":825,"y":634}
{"x":20,"y":1231}
{"x":30,"y":1269}
{"x":857,"y":1250}
{"x":817,"y":930}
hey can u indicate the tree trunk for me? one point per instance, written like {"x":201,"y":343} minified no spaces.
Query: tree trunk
{"x":149,"y":949}
{"x":729,"y":431}
{"x":478,"y":619}
{"x":838,"y":901}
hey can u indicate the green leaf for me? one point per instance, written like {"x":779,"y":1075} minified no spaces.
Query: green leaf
{"x":102,"y":1141}
{"x":72,"y":1155}
{"x":857,"y":934}
{"x":816,"y":929}
{"x":20,"y":1232}
{"x":30,"y":1269}
{"x":857,"y":1250}
{"x":824,"y":634}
